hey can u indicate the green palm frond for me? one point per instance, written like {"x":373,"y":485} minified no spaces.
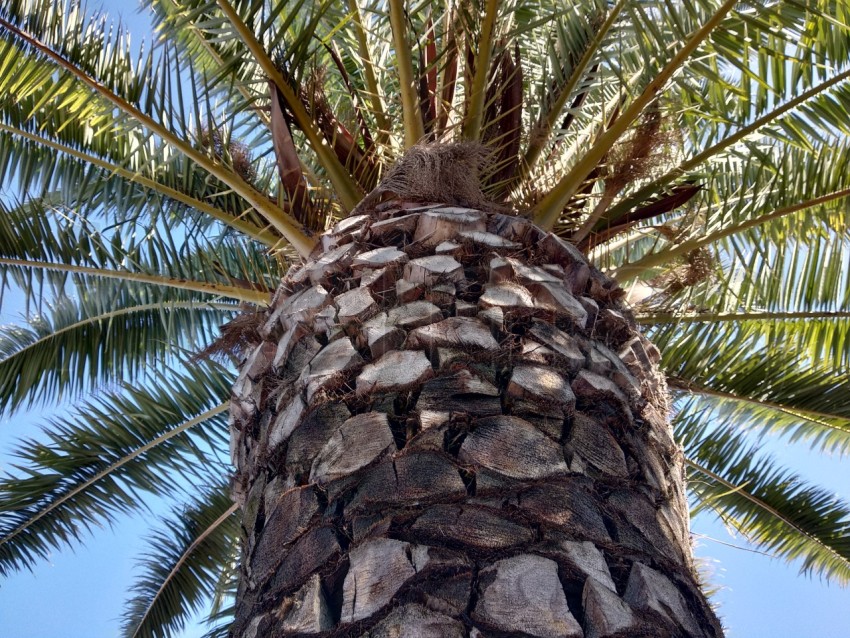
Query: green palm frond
{"x":183,"y":567}
{"x":138,"y":109}
{"x":101,"y":189}
{"x":261,"y":42}
{"x":549,"y":208}
{"x":768,"y":389}
{"x":567,"y":59}
{"x":813,"y":117}
{"x":37,"y":238}
{"x":784,"y":283}
{"x":53,"y":132}
{"x":763,"y":196}
{"x":822,"y":335}
{"x":773,"y":508}
{"x":100,"y":460}
{"x":822,"y":431}
{"x":110,"y":333}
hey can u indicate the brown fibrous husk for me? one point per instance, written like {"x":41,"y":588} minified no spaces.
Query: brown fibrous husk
{"x":447,"y":173}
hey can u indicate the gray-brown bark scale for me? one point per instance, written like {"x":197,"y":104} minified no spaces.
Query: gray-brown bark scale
{"x":454,"y":428}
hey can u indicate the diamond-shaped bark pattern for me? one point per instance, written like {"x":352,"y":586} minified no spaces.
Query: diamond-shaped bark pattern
{"x":395,"y":371}
{"x":452,"y":427}
{"x":458,"y":332}
{"x":511,"y":446}
{"x":379,"y":568}
{"x":540,"y":384}
{"x":357,"y":443}
{"x":523,"y":594}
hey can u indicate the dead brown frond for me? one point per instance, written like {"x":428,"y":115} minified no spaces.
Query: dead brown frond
{"x":448,"y":80}
{"x":361,"y":163}
{"x":698,"y":267}
{"x":365,"y":133}
{"x":229,"y":151}
{"x":503,"y":122}
{"x":238,"y":337}
{"x":288,"y":163}
{"x":638,"y":156}
{"x":678,"y":197}
{"x":428,"y":78}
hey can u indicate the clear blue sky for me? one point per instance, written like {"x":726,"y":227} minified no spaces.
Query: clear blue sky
{"x":80,"y":593}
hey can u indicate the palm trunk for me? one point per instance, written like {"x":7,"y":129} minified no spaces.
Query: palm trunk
{"x":454,"y":428}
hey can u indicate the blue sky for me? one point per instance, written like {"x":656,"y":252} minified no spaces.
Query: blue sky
{"x":80,"y":593}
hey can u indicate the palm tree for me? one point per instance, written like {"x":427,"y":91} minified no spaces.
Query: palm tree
{"x":444,"y":416}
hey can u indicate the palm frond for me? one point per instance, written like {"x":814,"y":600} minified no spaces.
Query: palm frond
{"x":824,"y":335}
{"x":578,"y":44}
{"x":812,"y":118}
{"x":79,"y":82}
{"x":240,"y":19}
{"x":414,"y":129}
{"x":549,"y":209}
{"x":99,"y":461}
{"x":110,"y":333}
{"x":766,"y":388}
{"x":372,"y":88}
{"x":156,"y":187}
{"x":87,"y":183}
{"x":773,"y":508}
{"x":35,"y":237}
{"x":183,"y":567}
{"x":480,"y":72}
{"x":774,"y":192}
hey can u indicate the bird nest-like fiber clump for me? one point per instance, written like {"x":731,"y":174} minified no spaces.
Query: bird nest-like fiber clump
{"x":448,"y":173}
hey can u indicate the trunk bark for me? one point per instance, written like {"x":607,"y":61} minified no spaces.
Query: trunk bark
{"x":453,"y":427}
